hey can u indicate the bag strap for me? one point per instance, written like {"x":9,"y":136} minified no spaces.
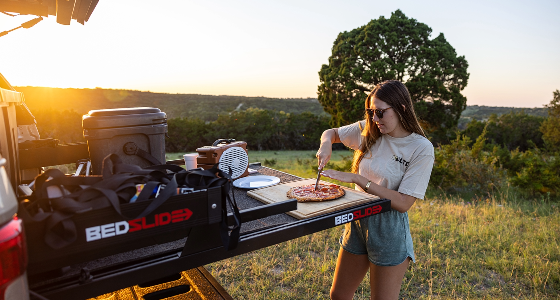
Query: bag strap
{"x":199,"y":178}
{"x":170,"y":190}
{"x":113,"y":165}
{"x":131,"y":148}
{"x":229,"y":233}
{"x":147,"y":156}
{"x":60,"y":229}
{"x":166,"y":167}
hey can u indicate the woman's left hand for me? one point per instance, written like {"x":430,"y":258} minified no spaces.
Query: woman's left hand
{"x":341,"y":176}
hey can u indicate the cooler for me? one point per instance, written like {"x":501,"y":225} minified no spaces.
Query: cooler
{"x":136,"y":135}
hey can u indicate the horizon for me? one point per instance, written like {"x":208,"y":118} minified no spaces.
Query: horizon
{"x":303,"y":98}
{"x":276,"y":49}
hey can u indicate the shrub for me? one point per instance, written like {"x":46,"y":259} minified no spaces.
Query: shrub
{"x":460,"y":168}
{"x":550,"y":128}
{"x":512,"y":130}
{"x":535,"y":172}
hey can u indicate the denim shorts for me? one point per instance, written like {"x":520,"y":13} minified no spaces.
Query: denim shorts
{"x":384,"y":238}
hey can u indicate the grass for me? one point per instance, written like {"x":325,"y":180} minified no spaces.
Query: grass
{"x":498,"y":247}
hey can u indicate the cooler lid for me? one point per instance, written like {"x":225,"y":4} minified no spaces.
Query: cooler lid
{"x":123,"y":117}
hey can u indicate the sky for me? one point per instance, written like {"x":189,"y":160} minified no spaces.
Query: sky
{"x":275,"y":48}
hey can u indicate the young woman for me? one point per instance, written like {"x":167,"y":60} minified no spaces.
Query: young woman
{"x":393,"y":160}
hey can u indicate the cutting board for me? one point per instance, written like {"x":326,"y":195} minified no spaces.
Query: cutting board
{"x":277,"y":193}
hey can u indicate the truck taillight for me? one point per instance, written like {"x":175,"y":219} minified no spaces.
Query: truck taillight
{"x":13,"y":253}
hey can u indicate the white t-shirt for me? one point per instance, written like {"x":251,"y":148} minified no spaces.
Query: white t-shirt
{"x":400,"y":164}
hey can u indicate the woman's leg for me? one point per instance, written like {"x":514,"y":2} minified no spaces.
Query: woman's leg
{"x":348,"y":274}
{"x":385,"y":282}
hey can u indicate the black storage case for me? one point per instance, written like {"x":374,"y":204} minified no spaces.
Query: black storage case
{"x":125,"y":131}
{"x":173,"y":220}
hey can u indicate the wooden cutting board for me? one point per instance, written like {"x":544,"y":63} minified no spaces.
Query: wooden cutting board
{"x":277,"y":193}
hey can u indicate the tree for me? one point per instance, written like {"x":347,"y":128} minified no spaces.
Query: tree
{"x":186,"y":135}
{"x":514,"y":130}
{"x":550,"y":128}
{"x":396,"y":48}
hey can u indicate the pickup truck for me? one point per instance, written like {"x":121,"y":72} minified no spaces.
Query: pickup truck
{"x":13,"y":252}
{"x":136,"y":269}
{"x":13,"y":256}
{"x":158,"y":271}
{"x":145,"y":266}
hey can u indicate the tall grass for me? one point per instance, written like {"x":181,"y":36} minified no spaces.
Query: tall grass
{"x":497,"y":247}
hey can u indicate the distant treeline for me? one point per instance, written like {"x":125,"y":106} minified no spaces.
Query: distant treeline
{"x":277,"y":130}
{"x":514,"y":130}
{"x":204,"y":107}
{"x":483,"y":113}
{"x":191,"y":106}
{"x":261,"y":129}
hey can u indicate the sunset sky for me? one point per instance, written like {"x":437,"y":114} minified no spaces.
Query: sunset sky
{"x":276,"y":48}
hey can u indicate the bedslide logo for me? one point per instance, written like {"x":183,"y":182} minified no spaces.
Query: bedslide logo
{"x":368,"y":211}
{"x":119,"y":228}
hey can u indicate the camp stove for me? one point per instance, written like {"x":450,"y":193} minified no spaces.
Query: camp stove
{"x":228,"y":154}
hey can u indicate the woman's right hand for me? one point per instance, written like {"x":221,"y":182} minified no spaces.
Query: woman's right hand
{"x":324,"y":154}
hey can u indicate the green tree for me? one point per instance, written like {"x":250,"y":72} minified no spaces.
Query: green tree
{"x":396,"y":48}
{"x":186,"y":135}
{"x":514,"y":130}
{"x":256,"y":126}
{"x":550,"y":128}
{"x":303,"y":131}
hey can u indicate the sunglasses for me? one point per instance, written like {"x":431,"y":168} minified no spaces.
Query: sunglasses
{"x":378,"y":112}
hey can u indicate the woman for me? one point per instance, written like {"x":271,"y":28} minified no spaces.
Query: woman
{"x":393,"y":159}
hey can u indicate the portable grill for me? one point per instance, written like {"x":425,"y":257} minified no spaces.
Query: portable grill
{"x":228,"y":154}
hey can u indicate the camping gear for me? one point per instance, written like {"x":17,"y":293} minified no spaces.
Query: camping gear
{"x":228,"y":154}
{"x":72,"y":219}
{"x":136,"y":135}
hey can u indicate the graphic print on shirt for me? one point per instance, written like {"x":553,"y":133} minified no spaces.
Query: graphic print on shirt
{"x":401,"y":160}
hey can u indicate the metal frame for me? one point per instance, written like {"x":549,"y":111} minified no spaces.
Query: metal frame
{"x":203,"y":246}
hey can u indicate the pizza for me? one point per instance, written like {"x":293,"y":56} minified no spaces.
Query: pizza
{"x":307,"y":193}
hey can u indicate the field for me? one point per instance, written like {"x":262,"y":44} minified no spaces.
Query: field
{"x":500,"y":247}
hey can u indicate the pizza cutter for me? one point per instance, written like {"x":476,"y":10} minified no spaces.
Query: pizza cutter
{"x":318,"y":176}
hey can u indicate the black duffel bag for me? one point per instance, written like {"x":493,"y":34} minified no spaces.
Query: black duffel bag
{"x":117,"y":185}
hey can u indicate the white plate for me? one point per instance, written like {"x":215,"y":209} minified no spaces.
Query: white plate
{"x":255,"y":182}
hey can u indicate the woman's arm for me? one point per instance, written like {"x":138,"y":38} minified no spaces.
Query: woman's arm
{"x":329,"y":137}
{"x":399,"y":201}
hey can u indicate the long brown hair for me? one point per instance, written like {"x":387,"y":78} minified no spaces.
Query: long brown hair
{"x":394,"y":93}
